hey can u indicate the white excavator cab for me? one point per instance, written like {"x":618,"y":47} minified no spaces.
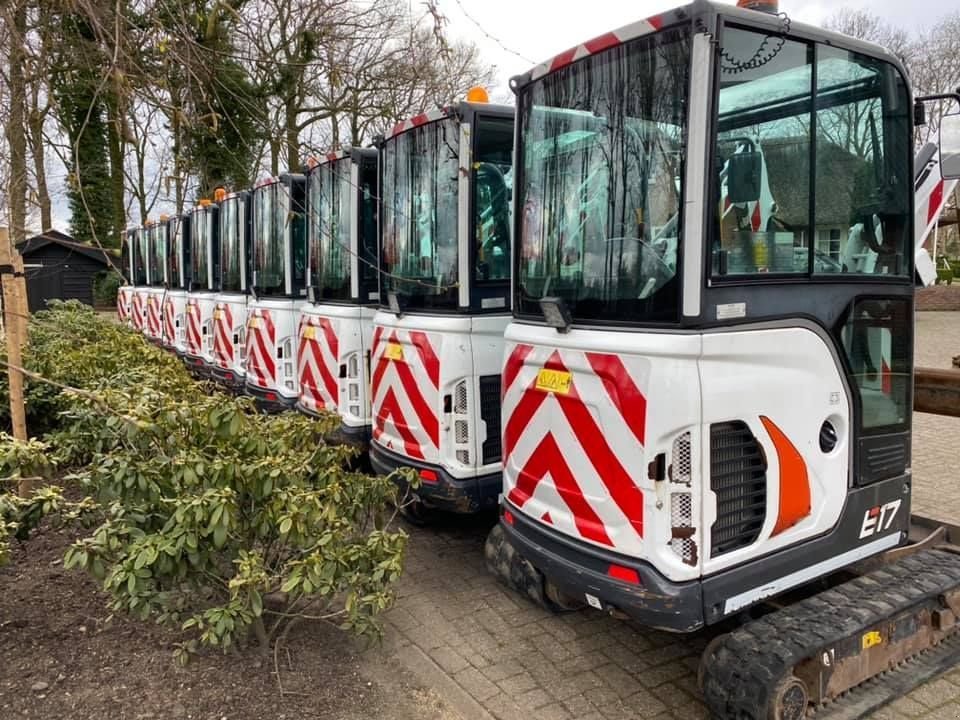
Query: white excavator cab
{"x":336,"y":325}
{"x":202,"y":284}
{"x":174,"y":309}
{"x":445,"y":187}
{"x":233,"y":291}
{"x":278,"y":291}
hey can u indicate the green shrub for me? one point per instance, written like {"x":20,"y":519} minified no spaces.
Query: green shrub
{"x":213,"y":517}
{"x":105,"y":287}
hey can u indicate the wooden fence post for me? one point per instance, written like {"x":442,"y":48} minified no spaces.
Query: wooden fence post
{"x":14,"y":317}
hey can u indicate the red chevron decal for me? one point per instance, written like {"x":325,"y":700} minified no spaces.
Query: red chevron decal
{"x":427,"y":355}
{"x":514,"y":364}
{"x":623,"y":491}
{"x":623,"y":392}
{"x":547,"y":458}
{"x":390,"y":410}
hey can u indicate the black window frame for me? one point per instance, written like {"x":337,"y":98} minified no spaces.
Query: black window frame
{"x":481,"y":290}
{"x":709,"y":279}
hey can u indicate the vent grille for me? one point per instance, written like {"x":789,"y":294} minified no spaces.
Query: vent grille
{"x":738,"y":477}
{"x":680,"y":464}
{"x":681,"y":522}
{"x":461,"y":423}
{"x":460,"y":399}
{"x":490,"y":414}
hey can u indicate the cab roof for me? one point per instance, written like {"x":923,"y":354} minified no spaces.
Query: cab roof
{"x":706,"y":12}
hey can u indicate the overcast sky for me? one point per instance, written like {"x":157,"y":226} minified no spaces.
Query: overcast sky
{"x":539,"y":29}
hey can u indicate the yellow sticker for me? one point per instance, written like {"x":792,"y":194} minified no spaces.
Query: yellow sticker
{"x":557,"y":381}
{"x":218,"y":314}
{"x":309,"y":333}
{"x":254,"y":322}
{"x":191,"y":309}
{"x":871,"y":638}
{"x":394,"y":351}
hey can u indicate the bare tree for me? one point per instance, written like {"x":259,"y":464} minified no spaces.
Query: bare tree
{"x":15,"y":18}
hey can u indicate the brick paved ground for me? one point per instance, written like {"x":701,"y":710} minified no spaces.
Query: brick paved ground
{"x":500,"y":657}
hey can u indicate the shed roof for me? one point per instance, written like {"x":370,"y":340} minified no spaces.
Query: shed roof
{"x":55,"y":237}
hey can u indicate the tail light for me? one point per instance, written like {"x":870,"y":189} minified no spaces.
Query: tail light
{"x":619,"y":572}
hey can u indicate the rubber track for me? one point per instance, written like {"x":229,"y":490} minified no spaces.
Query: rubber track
{"x":745,"y":667}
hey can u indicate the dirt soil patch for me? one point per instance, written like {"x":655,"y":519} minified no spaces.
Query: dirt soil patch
{"x":63,"y":655}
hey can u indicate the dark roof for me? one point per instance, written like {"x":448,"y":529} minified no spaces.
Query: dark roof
{"x":55,"y":237}
{"x":841,"y":178}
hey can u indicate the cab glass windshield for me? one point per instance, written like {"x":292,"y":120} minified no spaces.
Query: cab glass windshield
{"x":143,"y":254}
{"x":232,"y":213}
{"x":158,"y":252}
{"x":599,"y":194}
{"x":330,"y":194}
{"x":174,"y":251}
{"x":200,"y":247}
{"x":420,"y":201}
{"x":271,"y":205}
{"x":135,"y":239}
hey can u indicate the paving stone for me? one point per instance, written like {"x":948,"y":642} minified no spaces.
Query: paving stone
{"x":578,"y":705}
{"x":556,"y":711}
{"x":936,"y":693}
{"x":473,"y":681}
{"x":449,"y":660}
{"x":517,"y":684}
{"x":533,"y":699}
{"x":504,"y":651}
{"x":502,"y":670}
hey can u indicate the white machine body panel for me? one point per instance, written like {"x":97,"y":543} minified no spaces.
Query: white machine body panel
{"x":199,"y":331}
{"x":607,"y":437}
{"x":417,"y":361}
{"x":229,"y":333}
{"x":271,"y":345}
{"x":334,"y":350}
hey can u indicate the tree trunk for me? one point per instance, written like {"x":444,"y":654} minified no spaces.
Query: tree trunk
{"x":16,"y":19}
{"x":274,"y":156}
{"x":115,"y":148}
{"x":293,"y":137}
{"x":39,"y":165}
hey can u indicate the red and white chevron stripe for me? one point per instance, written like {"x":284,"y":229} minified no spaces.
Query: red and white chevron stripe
{"x":153,"y":316}
{"x":406,"y":392}
{"x":194,"y":334}
{"x":318,"y":363}
{"x":419,"y":120}
{"x":223,"y":350}
{"x":261,"y":364}
{"x":123,"y":305}
{"x":137,"y":311}
{"x":169,"y":326}
{"x":599,"y":44}
{"x":573,"y":455}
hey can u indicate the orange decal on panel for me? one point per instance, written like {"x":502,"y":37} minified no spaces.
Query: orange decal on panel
{"x":794,"y":483}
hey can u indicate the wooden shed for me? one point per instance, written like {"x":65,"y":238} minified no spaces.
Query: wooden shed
{"x":58,"y":268}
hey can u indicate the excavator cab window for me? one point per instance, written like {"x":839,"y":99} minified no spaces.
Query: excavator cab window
{"x":232,"y":213}
{"x":157,"y":235}
{"x":200,"y":251}
{"x":420,"y":195}
{"x":330,"y":191}
{"x":140,"y":257}
{"x":826,"y":126}
{"x":174,"y":252}
{"x":492,"y":197}
{"x":599,"y":183}
{"x":270,"y":210}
